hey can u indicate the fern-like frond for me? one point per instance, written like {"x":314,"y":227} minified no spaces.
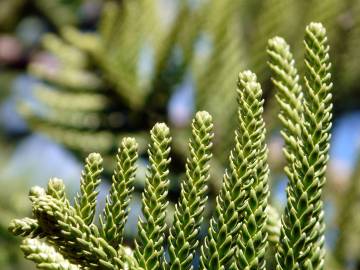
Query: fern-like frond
{"x":149,"y":250}
{"x":68,"y":77}
{"x":243,"y":223}
{"x":88,"y":42}
{"x":58,"y":99}
{"x":64,"y":52}
{"x":116,"y":209}
{"x":85,"y":202}
{"x":78,"y":140}
{"x":183,"y":238}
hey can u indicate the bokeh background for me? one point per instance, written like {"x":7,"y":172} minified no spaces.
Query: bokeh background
{"x":78,"y":75}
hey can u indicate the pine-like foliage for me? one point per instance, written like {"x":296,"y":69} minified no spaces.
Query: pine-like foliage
{"x":220,"y":246}
{"x":246,"y":182}
{"x":149,"y":248}
{"x":129,"y":68}
{"x":116,"y":209}
{"x":85,"y":202}
{"x":183,"y":239}
{"x":45,"y":256}
{"x":252,"y":241}
{"x":306,"y":134}
{"x":105,"y":81}
{"x":62,"y":236}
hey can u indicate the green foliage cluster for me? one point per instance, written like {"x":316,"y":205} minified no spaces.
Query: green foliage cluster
{"x":307,"y":139}
{"x":243,"y":225}
{"x":113,"y":96}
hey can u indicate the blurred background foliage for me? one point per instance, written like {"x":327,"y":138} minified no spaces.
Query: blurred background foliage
{"x":78,"y":75}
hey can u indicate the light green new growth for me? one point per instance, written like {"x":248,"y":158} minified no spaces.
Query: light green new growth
{"x":317,"y":117}
{"x":60,"y":236}
{"x":25,"y":227}
{"x":306,"y":134}
{"x":56,"y":189}
{"x":252,"y":239}
{"x":289,"y":95}
{"x":116,"y":209}
{"x":183,"y":239}
{"x":85,"y":202}
{"x":149,"y":250}
{"x":45,"y":256}
{"x":68,"y":229}
{"x":247,"y":161}
{"x":78,"y":242}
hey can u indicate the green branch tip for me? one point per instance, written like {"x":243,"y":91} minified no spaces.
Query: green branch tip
{"x":252,"y":240}
{"x":161,"y":130}
{"x":183,"y":238}
{"x":95,"y":159}
{"x":62,"y":236}
{"x":56,"y":184}
{"x":129,"y":142}
{"x":317,"y":28}
{"x":307,"y":138}
{"x":45,"y":256}
{"x":56,"y":188}
{"x":246,"y":77}
{"x":36,"y":192}
{"x":278,"y":42}
{"x":117,"y":202}
{"x":25,"y":227}
{"x":85,"y":202}
{"x":149,"y":249}
{"x":203,"y":116}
